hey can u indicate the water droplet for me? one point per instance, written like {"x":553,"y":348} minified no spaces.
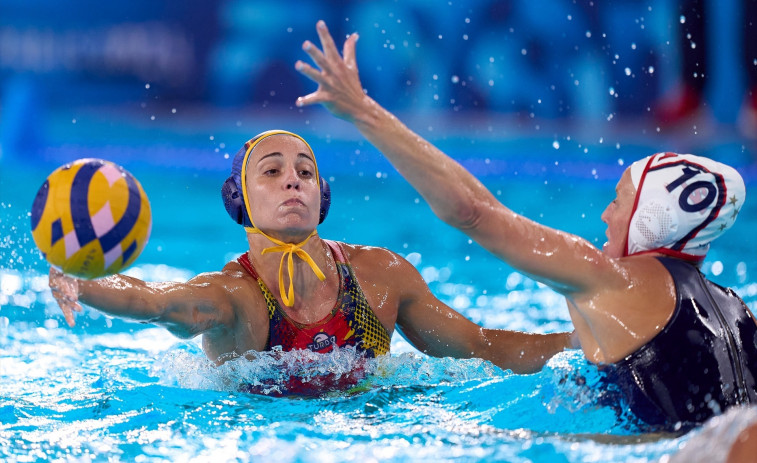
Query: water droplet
{"x":717,"y":268}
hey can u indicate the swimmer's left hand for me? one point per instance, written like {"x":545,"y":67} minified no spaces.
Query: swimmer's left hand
{"x":66,"y":292}
{"x":339,"y":87}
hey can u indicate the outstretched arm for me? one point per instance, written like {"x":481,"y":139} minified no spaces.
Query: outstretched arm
{"x":567,"y":263}
{"x":436,"y":329}
{"x":185,"y":309}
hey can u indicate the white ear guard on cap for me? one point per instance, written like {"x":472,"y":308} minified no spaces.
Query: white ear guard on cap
{"x":683,"y":202}
{"x":654,"y":224}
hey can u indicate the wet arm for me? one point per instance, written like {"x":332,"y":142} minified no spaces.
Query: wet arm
{"x":435,"y":329}
{"x":567,"y":263}
{"x":185,"y":309}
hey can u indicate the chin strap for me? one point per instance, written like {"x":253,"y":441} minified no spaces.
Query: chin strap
{"x":288,"y":249}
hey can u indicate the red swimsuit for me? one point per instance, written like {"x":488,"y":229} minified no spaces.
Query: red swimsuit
{"x":350,"y":323}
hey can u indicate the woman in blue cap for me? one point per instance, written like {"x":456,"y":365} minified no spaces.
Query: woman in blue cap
{"x":328,"y":295}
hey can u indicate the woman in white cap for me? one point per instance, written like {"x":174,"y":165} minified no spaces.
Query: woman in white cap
{"x":680,"y":347}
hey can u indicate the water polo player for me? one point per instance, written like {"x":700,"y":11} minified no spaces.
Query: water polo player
{"x":680,"y":347}
{"x":331,"y":294}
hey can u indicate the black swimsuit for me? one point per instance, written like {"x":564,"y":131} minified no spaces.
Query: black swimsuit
{"x":702,"y":362}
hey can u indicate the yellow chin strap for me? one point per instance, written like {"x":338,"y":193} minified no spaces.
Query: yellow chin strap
{"x":288,"y":249}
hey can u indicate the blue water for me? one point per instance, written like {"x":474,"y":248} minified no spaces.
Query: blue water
{"x":112,"y":390}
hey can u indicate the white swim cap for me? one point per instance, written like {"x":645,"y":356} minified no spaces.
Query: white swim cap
{"x":683,"y":202}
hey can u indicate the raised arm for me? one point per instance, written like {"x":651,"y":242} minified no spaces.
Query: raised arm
{"x":566,"y":262}
{"x":185,"y":309}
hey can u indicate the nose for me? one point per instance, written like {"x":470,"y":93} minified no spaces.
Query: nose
{"x":605,"y":214}
{"x":293,"y":181}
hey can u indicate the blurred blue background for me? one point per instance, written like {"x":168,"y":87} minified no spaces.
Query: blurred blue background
{"x":160,"y":81}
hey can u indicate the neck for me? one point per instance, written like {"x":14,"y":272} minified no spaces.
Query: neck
{"x":269,"y":266}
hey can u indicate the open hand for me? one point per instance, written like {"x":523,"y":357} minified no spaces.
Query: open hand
{"x":66,"y":292}
{"x":339,"y":87}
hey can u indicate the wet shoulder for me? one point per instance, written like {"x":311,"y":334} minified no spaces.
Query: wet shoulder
{"x":372,"y":256}
{"x":376,"y":264}
{"x":232,"y":283}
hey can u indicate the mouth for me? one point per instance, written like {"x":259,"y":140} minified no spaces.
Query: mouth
{"x":293,"y":202}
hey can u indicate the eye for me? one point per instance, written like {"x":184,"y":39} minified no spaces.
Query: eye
{"x":270,"y":172}
{"x":306,"y":173}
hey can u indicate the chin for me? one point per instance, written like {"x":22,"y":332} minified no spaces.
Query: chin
{"x":297,"y":228}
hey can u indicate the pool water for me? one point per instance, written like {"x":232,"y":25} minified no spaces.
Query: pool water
{"x":113,"y":390}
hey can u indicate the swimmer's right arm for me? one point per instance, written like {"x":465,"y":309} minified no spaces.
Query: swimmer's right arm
{"x":185,"y":309}
{"x":567,"y":263}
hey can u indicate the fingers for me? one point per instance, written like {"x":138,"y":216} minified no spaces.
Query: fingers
{"x":327,"y":42}
{"x":309,"y":71}
{"x":330,"y":52}
{"x":67,"y":305}
{"x":68,"y":313}
{"x":348,"y":51}
{"x":65,"y":292}
{"x":315,"y":54}
{"x":308,"y":100}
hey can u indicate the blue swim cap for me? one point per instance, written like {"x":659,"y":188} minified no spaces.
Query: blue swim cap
{"x":232,"y":193}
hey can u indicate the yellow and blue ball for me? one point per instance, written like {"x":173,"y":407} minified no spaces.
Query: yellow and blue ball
{"x":91,"y":218}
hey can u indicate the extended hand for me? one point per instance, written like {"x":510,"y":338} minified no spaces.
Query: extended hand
{"x":66,"y":292}
{"x":339,"y":87}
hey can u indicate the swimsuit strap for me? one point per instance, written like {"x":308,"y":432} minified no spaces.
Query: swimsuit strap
{"x":336,"y":249}
{"x":244,"y":261}
{"x":270,"y":300}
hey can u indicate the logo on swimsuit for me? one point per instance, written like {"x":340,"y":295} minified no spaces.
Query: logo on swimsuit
{"x":321,"y":341}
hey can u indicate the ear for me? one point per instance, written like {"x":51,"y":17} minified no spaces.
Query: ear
{"x":234,"y":202}
{"x":653,"y":225}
